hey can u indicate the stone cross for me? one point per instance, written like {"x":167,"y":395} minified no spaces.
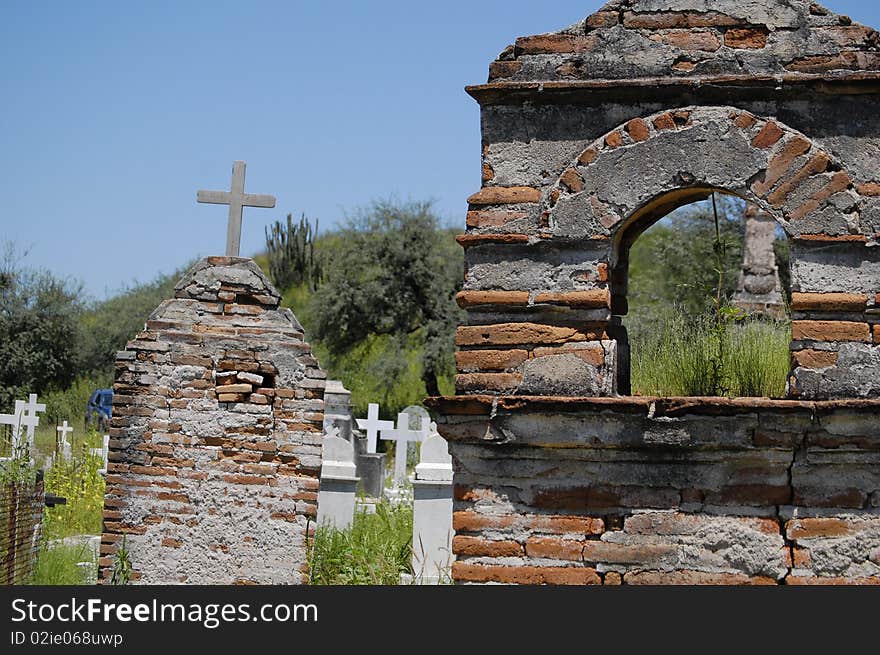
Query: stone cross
{"x":402,"y":435}
{"x":236,"y":198}
{"x":373,"y":425}
{"x":64,"y":429}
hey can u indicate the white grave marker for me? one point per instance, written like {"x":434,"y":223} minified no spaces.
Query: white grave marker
{"x":24,"y":415}
{"x":373,"y":425}
{"x":432,"y":511}
{"x":336,"y":494}
{"x":236,"y":198}
{"x":64,"y":429}
{"x":103,"y":452}
{"x":403,"y":435}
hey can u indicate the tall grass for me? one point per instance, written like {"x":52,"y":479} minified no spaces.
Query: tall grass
{"x":63,"y":564}
{"x":674,"y":356}
{"x":375,"y":550}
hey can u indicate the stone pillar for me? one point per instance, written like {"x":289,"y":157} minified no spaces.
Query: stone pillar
{"x":759,"y":290}
{"x":338,"y":483}
{"x":432,"y":512}
{"x":215,"y":440}
{"x":337,"y":409}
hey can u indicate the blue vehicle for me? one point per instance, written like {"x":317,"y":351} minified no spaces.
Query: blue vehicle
{"x":99,"y":409}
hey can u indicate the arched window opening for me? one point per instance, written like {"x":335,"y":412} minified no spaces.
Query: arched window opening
{"x":707,"y":302}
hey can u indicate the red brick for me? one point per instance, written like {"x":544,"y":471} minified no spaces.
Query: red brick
{"x":781,"y":163}
{"x":550,"y":548}
{"x":508,"y":298}
{"x":543,"y":44}
{"x":840,"y":181}
{"x":830,"y":331}
{"x":613,"y":579}
{"x":489,"y":218}
{"x":470,"y":240}
{"x":172,"y":543}
{"x":477,"y":547}
{"x":829,"y":302}
{"x":506,"y":334}
{"x":694,"y":578}
{"x":801,"y":558}
{"x":602,"y":273}
{"x":808,"y":528}
{"x":488,"y":172}
{"x":679,"y":19}
{"x":664,"y":122}
{"x":614,"y":140}
{"x":572,"y":180}
{"x":877,"y":333}
{"x":818,"y":163}
{"x":246,"y":479}
{"x":638,"y":130}
{"x":591,"y":355}
{"x":588,"y":156}
{"x":602,"y":551}
{"x":489,"y":360}
{"x":468,"y":521}
{"x":499,"y":195}
{"x":748,"y":38}
{"x":603,"y":19}
{"x":769,"y":135}
{"x":593,"y":299}
{"x":869,"y":189}
{"x":502,"y":69}
{"x":565,"y":524}
{"x":703,"y":40}
{"x":745,"y":121}
{"x":469,"y":382}
{"x":527,"y":575}
{"x":814,"y":359}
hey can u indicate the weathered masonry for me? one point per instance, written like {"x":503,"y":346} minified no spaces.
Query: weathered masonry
{"x":590,"y":135}
{"x":216,"y":436}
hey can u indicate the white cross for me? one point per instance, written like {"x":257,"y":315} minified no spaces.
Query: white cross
{"x":372,"y":425}
{"x":103,"y":452}
{"x":24,"y":415}
{"x":30,"y":418}
{"x":236,"y":199}
{"x":402,"y":435}
{"x":64,"y":429}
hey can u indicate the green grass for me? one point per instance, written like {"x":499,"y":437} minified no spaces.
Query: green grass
{"x":375,"y":550}
{"x":58,"y":564}
{"x":674,"y":357}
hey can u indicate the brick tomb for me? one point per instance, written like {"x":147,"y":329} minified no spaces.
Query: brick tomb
{"x":215,"y":443}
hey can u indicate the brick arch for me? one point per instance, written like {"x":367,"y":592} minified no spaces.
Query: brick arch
{"x":640,"y":171}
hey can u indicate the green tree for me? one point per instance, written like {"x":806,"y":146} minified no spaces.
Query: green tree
{"x":393,"y":272}
{"x":38,"y":327}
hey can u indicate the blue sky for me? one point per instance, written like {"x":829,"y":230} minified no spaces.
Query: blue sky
{"x":114,"y":114}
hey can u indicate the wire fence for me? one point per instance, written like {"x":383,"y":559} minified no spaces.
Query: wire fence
{"x":21,"y":518}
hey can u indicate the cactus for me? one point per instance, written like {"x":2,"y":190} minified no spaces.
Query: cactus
{"x":291,"y":251}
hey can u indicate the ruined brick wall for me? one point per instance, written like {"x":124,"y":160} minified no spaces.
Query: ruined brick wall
{"x":592,"y":134}
{"x":215,"y":446}
{"x":589,"y":136}
{"x":664,"y":491}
